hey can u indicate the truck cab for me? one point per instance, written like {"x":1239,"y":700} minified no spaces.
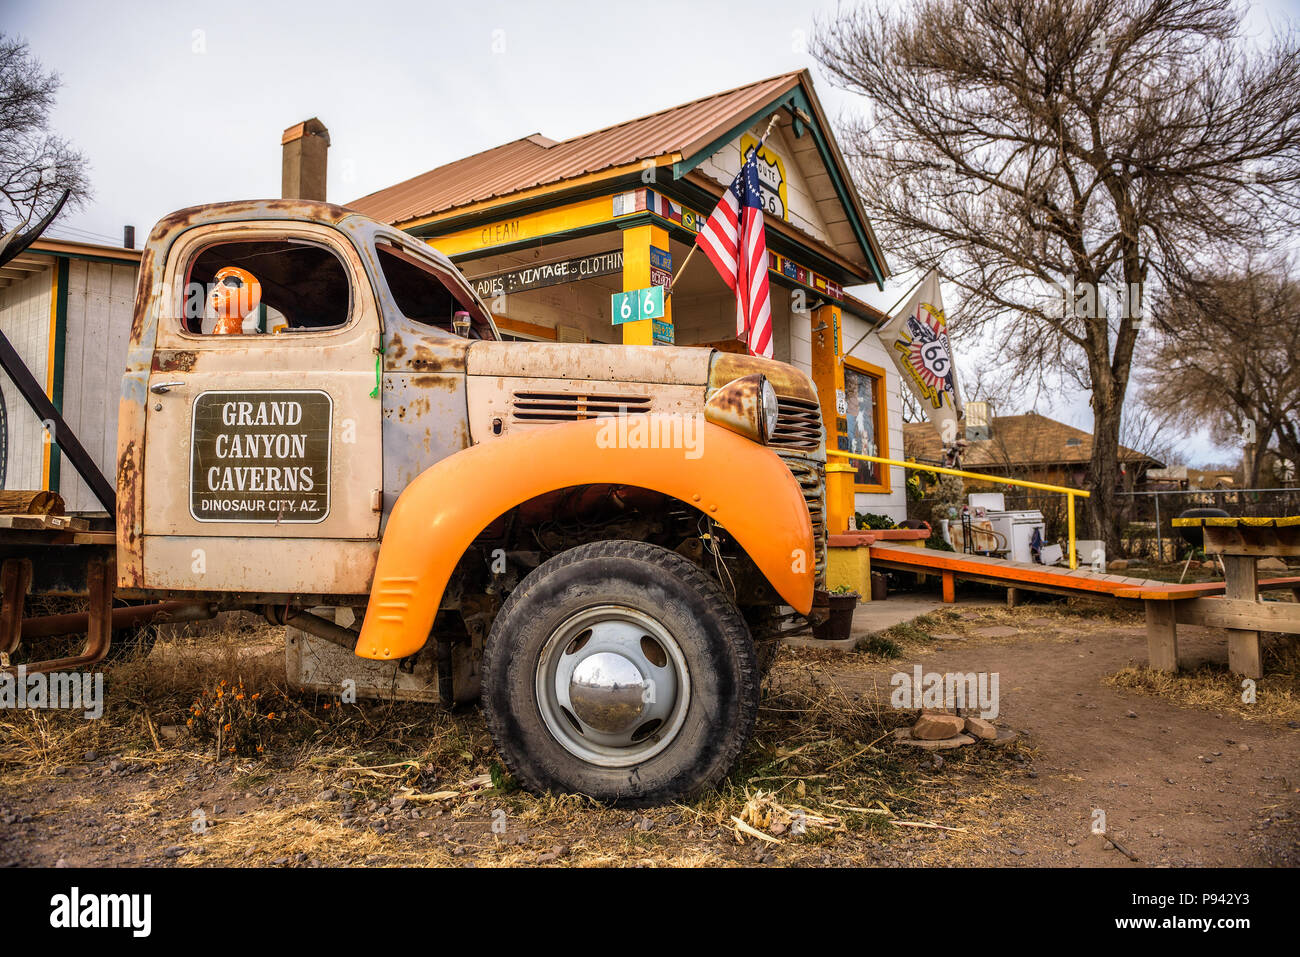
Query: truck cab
{"x":601,"y":542}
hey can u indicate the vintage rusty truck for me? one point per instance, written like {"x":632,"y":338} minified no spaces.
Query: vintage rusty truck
{"x":601,"y":543}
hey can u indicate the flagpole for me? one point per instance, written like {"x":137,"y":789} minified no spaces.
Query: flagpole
{"x":694,"y":246}
{"x":889,"y":313}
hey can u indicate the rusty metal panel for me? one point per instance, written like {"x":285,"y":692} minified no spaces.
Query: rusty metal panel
{"x":425,"y":412}
{"x":681,"y":365}
{"x":246,"y":564}
{"x":314,"y":664}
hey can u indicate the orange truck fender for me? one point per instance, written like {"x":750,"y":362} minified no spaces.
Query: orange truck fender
{"x":741,"y":485}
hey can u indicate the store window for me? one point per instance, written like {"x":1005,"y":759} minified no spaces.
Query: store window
{"x":865,"y":413}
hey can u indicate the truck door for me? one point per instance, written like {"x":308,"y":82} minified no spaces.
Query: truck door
{"x":263,"y":459}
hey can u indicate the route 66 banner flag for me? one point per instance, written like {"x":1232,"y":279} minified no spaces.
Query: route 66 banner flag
{"x":917,"y":339}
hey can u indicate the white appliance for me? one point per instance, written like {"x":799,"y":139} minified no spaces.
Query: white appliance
{"x":1016,"y":528}
{"x":989,"y":501}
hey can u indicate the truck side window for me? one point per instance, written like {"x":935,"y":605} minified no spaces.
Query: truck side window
{"x":419,"y":292}
{"x":266,"y":286}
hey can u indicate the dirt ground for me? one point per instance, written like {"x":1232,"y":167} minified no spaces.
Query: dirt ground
{"x":1185,"y":775}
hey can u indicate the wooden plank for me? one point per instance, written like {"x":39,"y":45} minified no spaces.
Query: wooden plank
{"x":1162,"y":636}
{"x":949,"y":588}
{"x":1159,"y":591}
{"x":61,"y":523}
{"x":1243,"y":644}
{"x":912,"y":559}
{"x":1254,"y":616}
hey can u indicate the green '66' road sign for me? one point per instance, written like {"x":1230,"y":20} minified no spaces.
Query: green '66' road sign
{"x":637,"y":304}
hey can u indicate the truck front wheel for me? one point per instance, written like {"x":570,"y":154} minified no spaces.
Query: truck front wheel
{"x":619,"y":670}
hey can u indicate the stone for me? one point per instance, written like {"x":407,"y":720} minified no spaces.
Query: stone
{"x":176,"y":850}
{"x":1271,"y":564}
{"x":1005,"y":737}
{"x":984,"y":730}
{"x":945,"y":744}
{"x":1118,"y":565}
{"x":947,"y":636}
{"x":935,"y":726}
{"x":996,"y":631}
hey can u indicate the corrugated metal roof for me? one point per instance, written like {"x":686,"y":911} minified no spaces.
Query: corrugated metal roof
{"x":536,"y":161}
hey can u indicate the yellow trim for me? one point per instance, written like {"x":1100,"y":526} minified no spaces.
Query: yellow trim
{"x":550,"y":189}
{"x":53,"y":333}
{"x":880,"y":406}
{"x":1070,"y":493}
{"x":536,"y":225}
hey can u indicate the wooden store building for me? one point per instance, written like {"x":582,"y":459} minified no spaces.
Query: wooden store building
{"x":548,"y":231}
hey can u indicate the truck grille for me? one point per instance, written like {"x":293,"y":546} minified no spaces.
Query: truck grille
{"x":811,"y":476}
{"x":799,"y":425}
{"x":544,"y":408}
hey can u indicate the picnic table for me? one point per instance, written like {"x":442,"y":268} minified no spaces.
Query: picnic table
{"x":1239,"y":543}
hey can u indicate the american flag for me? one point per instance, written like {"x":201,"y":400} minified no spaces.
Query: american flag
{"x":733,"y":240}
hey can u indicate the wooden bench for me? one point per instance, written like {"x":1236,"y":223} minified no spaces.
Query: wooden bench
{"x":1168,"y":606}
{"x":1228,"y":604}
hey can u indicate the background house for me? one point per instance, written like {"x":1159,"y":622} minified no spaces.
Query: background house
{"x":1030,"y":446}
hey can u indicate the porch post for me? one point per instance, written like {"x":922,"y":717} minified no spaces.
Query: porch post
{"x":637,"y":243}
{"x":827,"y":335}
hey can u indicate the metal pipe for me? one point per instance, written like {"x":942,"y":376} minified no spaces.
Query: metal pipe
{"x":982,"y":476}
{"x":49,"y":626}
{"x":318,"y":626}
{"x":1074,"y":558}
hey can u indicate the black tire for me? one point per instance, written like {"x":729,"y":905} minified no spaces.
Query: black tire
{"x":715,"y":720}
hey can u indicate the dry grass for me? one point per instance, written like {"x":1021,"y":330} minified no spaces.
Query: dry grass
{"x":821,"y":756}
{"x":1212,"y":687}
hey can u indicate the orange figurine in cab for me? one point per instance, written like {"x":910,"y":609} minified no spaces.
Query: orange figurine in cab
{"x":235,"y":293}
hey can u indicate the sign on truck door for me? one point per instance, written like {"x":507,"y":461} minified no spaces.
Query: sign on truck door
{"x":262,"y":442}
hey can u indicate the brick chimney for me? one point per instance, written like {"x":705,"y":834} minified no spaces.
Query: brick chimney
{"x":302,"y":169}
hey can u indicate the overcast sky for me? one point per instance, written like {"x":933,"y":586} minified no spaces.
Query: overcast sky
{"x":176,"y":104}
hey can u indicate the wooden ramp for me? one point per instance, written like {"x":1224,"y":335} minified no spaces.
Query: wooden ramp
{"x":950,"y":566}
{"x":1167,"y":605}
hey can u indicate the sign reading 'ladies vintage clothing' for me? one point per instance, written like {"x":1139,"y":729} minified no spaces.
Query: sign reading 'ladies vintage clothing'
{"x":261,"y":457}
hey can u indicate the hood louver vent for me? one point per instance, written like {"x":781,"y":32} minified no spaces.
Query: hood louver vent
{"x":543,"y":408}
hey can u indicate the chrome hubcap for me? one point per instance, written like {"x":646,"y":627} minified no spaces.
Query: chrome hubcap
{"x":612,"y":686}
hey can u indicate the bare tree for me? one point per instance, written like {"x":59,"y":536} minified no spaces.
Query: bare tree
{"x":1232,"y":365}
{"x":36,"y":166}
{"x":1043,"y":154}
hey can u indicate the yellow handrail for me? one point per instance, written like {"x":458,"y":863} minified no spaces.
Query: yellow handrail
{"x":1069,"y":493}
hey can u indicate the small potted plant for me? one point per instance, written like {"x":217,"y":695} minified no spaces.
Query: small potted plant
{"x":839,"y":603}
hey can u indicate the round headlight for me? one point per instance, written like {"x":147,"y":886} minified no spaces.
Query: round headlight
{"x":771,"y":411}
